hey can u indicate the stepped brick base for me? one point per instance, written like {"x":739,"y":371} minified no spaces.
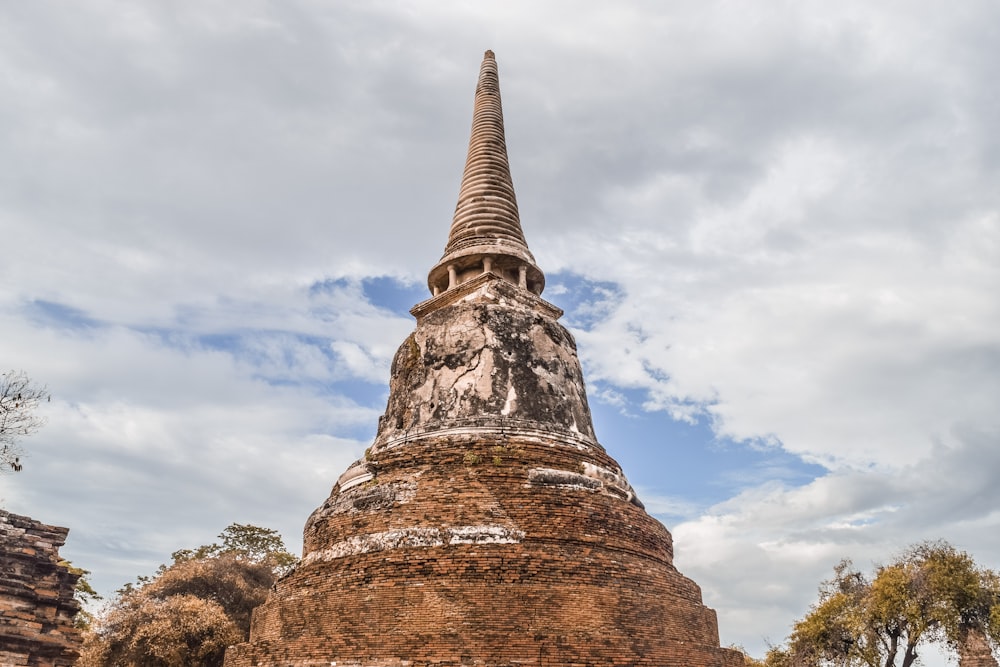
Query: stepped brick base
{"x":474,"y":550}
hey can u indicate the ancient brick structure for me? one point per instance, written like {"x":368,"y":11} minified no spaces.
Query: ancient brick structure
{"x":36,"y":596}
{"x":974,"y":650}
{"x":485,"y":525}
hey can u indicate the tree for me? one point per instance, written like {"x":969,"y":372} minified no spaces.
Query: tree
{"x":145,"y":631}
{"x":749,"y":660}
{"x":235,"y":584}
{"x":931,"y":593}
{"x":19,"y":399}
{"x":247,"y":542}
{"x":84,"y":594}
{"x":192,"y":609}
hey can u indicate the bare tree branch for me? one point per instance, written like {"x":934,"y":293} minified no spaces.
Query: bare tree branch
{"x":19,"y":399}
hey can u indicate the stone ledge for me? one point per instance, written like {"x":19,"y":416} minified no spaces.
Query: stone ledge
{"x":416,"y":537}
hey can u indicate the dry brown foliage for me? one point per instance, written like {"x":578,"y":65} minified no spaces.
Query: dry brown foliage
{"x":178,"y":631}
{"x":186,"y":616}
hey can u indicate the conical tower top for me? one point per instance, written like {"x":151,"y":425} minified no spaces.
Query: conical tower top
{"x":486,"y":231}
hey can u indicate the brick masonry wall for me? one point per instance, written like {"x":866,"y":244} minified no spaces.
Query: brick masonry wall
{"x":975,"y":651}
{"x":458,"y":552}
{"x":36,"y":596}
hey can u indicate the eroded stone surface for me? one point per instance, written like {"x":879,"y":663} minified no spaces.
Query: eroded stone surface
{"x":476,"y":360}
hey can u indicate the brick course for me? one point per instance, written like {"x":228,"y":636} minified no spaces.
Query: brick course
{"x":591,"y":581}
{"x":974,"y":650}
{"x":36,"y":596}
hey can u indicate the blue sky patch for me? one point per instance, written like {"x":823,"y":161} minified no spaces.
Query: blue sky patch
{"x":330,"y":285}
{"x":686,"y":460}
{"x":59,"y":315}
{"x":393,"y":294}
{"x":585,"y":301}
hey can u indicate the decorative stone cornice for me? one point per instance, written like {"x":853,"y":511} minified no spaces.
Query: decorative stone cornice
{"x":484,"y":427}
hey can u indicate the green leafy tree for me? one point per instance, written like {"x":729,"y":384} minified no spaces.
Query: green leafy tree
{"x":19,"y":399}
{"x":192,"y":609}
{"x":931,"y":593}
{"x":247,"y":542}
{"x":776,"y":657}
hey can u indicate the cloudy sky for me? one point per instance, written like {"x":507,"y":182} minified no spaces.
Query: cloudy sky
{"x":774,"y":226}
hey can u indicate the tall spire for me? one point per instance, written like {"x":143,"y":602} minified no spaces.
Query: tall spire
{"x":485,"y":525}
{"x":486,"y":231}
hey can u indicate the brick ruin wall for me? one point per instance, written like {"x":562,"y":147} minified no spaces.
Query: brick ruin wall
{"x":36,"y":596}
{"x":975,"y":651}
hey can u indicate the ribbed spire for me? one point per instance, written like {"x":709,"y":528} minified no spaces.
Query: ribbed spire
{"x":486,"y":229}
{"x":487,"y":207}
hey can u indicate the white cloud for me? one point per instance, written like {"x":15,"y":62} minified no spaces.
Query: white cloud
{"x":761,"y":555}
{"x":838,"y":344}
{"x":790,"y":217}
{"x":154,"y":443}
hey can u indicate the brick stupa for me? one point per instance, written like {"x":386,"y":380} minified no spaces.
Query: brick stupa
{"x":485,"y":525}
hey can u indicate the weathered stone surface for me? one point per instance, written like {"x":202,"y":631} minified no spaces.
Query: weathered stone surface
{"x":36,"y":596}
{"x":485,"y":525}
{"x":487,"y":361}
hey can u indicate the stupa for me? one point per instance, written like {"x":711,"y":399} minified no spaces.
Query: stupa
{"x":485,"y":525}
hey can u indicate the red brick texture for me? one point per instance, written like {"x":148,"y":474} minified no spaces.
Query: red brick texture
{"x":36,"y":596}
{"x":974,"y":650}
{"x":472,"y":557}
